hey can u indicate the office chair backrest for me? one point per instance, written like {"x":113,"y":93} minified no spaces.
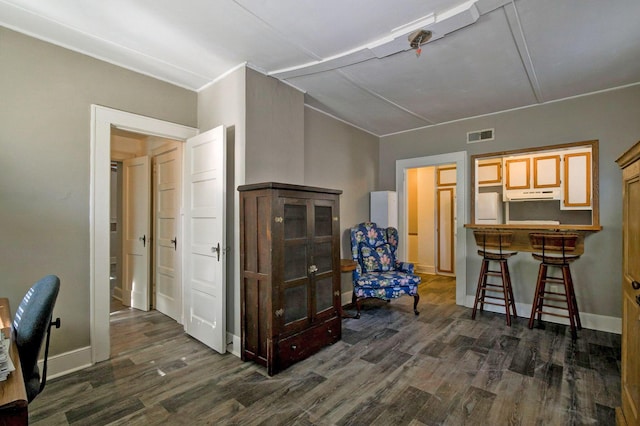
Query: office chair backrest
{"x":30,"y":324}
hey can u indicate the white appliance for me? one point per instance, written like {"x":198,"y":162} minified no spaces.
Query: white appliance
{"x":384,"y":208}
{"x":488,"y":208}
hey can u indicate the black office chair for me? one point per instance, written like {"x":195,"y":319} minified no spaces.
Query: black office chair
{"x":30,"y":324}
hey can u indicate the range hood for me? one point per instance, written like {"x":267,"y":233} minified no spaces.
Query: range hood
{"x":532,"y":195}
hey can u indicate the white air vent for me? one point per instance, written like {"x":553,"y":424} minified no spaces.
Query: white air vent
{"x":480,"y":136}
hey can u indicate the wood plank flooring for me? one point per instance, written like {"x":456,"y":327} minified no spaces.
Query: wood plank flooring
{"x":390,"y":368}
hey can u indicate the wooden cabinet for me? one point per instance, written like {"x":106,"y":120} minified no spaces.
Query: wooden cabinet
{"x":290,"y":272}
{"x":629,"y":412}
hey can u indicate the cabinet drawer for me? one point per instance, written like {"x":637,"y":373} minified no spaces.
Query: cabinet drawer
{"x":302,"y":345}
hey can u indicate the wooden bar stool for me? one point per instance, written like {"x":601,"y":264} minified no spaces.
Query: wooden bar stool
{"x":558,"y":244}
{"x":495,"y":241}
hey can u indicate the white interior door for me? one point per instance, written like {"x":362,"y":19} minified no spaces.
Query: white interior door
{"x":204,"y":226}
{"x":446,"y":228}
{"x":168,"y":289}
{"x":135,"y":238}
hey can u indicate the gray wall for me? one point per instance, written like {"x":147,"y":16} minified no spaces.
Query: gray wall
{"x":611,"y":117}
{"x":45,"y":97}
{"x":339,"y":156}
{"x":223,"y":103}
{"x":275,"y":131}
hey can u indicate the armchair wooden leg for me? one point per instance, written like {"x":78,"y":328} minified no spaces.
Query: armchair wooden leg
{"x":416,"y":298}
{"x":354,"y":300}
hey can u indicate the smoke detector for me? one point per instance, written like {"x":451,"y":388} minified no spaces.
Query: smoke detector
{"x":419,"y":37}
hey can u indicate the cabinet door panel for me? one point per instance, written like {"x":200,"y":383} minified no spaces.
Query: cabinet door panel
{"x":295,"y":303}
{"x":324,"y":294}
{"x":630,"y":395}
{"x":517,"y":173}
{"x":577,"y":180}
{"x":323,"y":221}
{"x":295,"y":261}
{"x":323,"y":256}
{"x":295,"y":221}
{"x":546,"y":171}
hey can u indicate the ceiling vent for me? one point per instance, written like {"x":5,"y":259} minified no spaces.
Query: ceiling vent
{"x":480,"y":136}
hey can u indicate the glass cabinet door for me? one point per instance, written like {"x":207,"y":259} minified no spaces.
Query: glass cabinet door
{"x":296,"y":260}
{"x":323,"y":256}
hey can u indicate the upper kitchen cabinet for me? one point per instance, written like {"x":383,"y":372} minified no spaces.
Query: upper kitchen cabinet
{"x":552,"y":186}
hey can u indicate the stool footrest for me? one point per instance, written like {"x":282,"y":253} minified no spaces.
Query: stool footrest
{"x":553,"y":280}
{"x":492,"y":303}
{"x":553,"y":313}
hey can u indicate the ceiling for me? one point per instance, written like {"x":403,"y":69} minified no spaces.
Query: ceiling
{"x":352,"y":58}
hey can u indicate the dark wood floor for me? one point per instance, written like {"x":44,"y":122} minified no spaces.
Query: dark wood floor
{"x":390,"y":368}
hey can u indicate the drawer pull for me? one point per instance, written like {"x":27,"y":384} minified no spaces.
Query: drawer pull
{"x":635,"y":284}
{"x":294,"y":347}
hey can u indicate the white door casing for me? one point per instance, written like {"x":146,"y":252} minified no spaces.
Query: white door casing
{"x":167,"y":244}
{"x":204,"y":238}
{"x":102,"y":121}
{"x":136,"y":232}
{"x":460,"y":160}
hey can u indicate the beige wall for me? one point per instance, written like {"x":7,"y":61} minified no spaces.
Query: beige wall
{"x":46,"y":93}
{"x":611,"y":117}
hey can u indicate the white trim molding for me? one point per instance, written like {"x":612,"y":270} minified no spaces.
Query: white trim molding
{"x":462,"y":195}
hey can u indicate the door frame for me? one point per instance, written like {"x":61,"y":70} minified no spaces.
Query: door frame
{"x":102,"y":120}
{"x":460,"y":160}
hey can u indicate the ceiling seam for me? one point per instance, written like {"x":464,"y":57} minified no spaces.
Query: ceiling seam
{"x":515,"y":27}
{"x":489,"y":114}
{"x":382,"y":98}
{"x":280,"y":34}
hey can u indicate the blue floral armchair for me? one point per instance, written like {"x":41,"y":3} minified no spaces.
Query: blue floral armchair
{"x":378,"y":273}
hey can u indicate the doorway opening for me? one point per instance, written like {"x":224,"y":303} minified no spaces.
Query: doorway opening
{"x":451,"y":169}
{"x":146,"y":205}
{"x":431,"y":219}
{"x":103,"y":120}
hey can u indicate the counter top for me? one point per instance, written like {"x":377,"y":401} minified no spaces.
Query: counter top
{"x":521,"y":233}
{"x":535,"y":227}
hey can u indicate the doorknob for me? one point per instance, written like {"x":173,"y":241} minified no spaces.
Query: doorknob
{"x":175,"y":243}
{"x":216,"y":250}
{"x":144,"y":240}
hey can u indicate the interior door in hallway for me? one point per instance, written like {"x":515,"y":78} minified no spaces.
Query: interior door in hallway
{"x":204,"y":229}
{"x":136,"y":232}
{"x":446,"y":219}
{"x":168,"y":288}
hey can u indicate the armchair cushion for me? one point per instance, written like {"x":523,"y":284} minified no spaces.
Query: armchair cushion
{"x":379,"y":259}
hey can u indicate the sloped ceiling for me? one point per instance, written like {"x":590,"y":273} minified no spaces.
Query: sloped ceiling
{"x":352,"y":58}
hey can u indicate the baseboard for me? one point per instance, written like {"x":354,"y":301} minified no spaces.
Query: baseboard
{"x":345,"y":298}
{"x":68,"y":362}
{"x":233,"y":344}
{"x":425,"y":269}
{"x":590,"y":321}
